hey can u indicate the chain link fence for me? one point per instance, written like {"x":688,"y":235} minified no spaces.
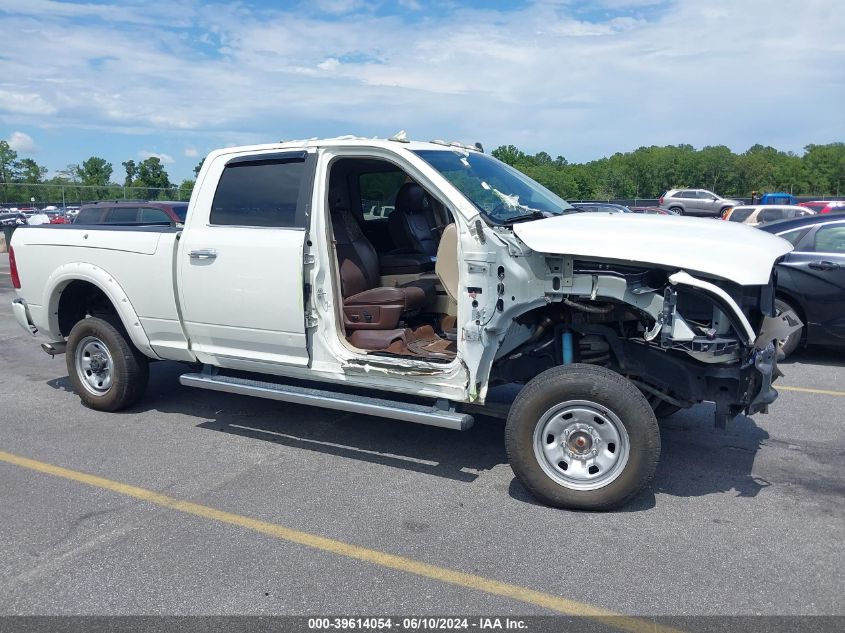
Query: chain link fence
{"x":64,"y":196}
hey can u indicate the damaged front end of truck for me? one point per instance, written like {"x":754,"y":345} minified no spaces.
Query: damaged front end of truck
{"x":681,"y":335}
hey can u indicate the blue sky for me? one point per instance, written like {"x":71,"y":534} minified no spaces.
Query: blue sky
{"x":582,"y":79}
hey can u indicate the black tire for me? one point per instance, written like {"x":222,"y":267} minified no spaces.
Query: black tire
{"x":676,"y":210}
{"x":114,"y":356}
{"x":616,"y":400}
{"x":791,"y":342}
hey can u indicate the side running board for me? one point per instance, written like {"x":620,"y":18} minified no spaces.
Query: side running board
{"x":366,"y":405}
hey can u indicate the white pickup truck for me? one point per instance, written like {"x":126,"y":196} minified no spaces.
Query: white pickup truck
{"x":282,"y":286}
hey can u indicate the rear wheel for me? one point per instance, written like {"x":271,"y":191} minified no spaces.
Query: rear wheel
{"x":676,"y":210}
{"x":790,"y":343}
{"x":106,"y":371}
{"x":582,"y":437}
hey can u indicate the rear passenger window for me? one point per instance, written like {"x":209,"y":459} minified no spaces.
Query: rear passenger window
{"x":153,"y":216}
{"x":122,"y":215}
{"x":771,"y":215}
{"x":740,"y":215}
{"x":830,"y":239}
{"x":258,"y":193}
{"x":89,"y":216}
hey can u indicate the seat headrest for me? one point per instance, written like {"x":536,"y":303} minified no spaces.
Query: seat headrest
{"x":412,"y":198}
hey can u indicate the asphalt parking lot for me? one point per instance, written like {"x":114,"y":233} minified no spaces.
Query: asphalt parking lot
{"x":309,"y":512}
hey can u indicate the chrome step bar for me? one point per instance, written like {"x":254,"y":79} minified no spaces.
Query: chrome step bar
{"x":366,"y":405}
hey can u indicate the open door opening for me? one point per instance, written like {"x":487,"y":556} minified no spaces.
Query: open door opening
{"x":387,"y":231}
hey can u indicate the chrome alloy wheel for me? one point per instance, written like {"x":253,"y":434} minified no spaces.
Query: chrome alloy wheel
{"x":581,"y":445}
{"x":94,"y":365}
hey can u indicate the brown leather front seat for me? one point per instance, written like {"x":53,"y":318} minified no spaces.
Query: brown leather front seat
{"x":366,"y":305}
{"x":412,"y":224}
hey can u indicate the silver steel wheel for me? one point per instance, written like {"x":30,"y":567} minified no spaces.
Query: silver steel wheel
{"x":581,"y":445}
{"x":94,"y":365}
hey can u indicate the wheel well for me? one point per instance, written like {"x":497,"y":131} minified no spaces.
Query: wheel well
{"x":796,"y":305}
{"x":80,"y":299}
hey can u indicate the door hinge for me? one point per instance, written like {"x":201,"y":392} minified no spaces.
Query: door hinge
{"x":311,"y":318}
{"x":309,"y":258}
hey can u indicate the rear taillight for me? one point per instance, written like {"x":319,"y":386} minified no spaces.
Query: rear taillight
{"x":660,"y":200}
{"x":16,"y":280}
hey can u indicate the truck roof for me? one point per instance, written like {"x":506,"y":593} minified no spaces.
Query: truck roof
{"x":355,"y":141}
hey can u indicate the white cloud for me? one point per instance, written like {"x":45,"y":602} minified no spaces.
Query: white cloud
{"x":191,"y":152}
{"x":166,"y":159}
{"x":329,"y":64}
{"x":22,"y":142}
{"x":541,"y":77}
{"x":25,"y":103}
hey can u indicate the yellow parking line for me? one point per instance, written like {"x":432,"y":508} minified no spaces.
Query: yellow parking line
{"x":823,"y":392}
{"x":376,"y":557}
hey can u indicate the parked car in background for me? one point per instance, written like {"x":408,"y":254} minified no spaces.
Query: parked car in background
{"x":780,"y":198}
{"x":650,"y":211}
{"x":600,"y":207}
{"x":57,"y":217}
{"x":699,"y":202}
{"x":811,"y":279}
{"x":36,"y":218}
{"x":128,"y":213}
{"x":825,"y":206}
{"x":12,"y":219}
{"x":756,"y":214}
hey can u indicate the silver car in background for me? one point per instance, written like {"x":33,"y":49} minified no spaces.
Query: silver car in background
{"x":696,"y":202}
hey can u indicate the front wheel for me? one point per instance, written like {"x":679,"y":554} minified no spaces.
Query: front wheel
{"x":582,"y":437}
{"x":106,"y":371}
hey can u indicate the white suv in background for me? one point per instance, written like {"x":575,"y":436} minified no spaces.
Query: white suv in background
{"x":696,"y":202}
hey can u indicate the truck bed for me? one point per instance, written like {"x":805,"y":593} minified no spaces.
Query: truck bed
{"x":125,"y":262}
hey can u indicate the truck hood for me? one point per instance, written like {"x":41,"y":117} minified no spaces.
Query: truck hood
{"x":730,"y":250}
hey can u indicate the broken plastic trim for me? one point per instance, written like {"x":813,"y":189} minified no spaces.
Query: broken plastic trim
{"x":685,"y":279}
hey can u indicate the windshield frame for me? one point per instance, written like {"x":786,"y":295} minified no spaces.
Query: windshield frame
{"x":520,"y":211}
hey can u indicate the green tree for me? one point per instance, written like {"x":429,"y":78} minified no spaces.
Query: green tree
{"x":8,"y":158}
{"x":95,"y":171}
{"x":186,"y":188}
{"x":152,"y":177}
{"x":509,"y":154}
{"x":825,"y":167}
{"x":198,"y":167}
{"x":131,"y":172}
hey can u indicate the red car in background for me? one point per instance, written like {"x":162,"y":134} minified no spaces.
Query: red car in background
{"x":57,"y":218}
{"x":825,"y":206}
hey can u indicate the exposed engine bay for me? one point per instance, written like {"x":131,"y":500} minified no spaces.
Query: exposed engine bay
{"x":681,"y":339}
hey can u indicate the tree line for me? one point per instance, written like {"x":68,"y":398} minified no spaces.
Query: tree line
{"x":22,"y":179}
{"x":643,"y":173}
{"x":650,"y":171}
